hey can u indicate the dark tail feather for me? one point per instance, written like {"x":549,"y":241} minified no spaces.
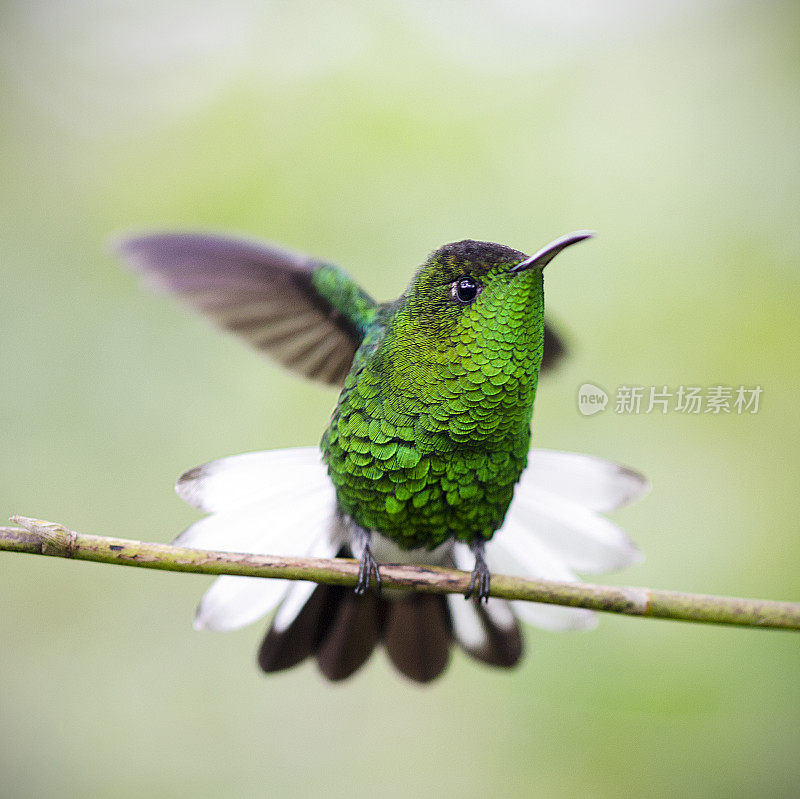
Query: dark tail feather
{"x":353,"y":632}
{"x":291,"y":646}
{"x":502,"y":643}
{"x":554,"y":348}
{"x":338,"y":627}
{"x":417,"y":635}
{"x":341,"y":630}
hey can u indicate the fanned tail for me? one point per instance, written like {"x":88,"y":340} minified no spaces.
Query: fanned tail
{"x":283,"y":503}
{"x":340,"y":630}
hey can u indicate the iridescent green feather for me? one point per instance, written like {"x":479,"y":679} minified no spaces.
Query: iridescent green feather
{"x":432,"y":428}
{"x":346,"y":296}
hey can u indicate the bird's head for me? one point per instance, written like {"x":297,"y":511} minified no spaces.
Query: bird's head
{"x":476,"y":304}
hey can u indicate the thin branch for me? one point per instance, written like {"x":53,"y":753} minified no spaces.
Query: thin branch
{"x":48,"y":538}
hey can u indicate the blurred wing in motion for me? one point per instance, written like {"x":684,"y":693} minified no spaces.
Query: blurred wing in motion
{"x":307,"y":315}
{"x":554,"y":348}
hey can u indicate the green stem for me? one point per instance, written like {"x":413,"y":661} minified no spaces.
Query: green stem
{"x":48,"y":538}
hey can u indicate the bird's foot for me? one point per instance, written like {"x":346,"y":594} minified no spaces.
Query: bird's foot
{"x":367,"y":565}
{"x":481,"y":576}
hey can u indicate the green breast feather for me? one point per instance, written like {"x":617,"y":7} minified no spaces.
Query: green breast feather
{"x":432,"y":428}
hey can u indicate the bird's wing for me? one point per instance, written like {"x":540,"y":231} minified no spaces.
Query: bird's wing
{"x":554,"y":348}
{"x":308,"y":315}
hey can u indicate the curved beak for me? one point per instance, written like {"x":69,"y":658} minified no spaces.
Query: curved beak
{"x":539,"y":260}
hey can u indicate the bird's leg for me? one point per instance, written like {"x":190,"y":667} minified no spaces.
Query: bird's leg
{"x":481,"y":576}
{"x":367,"y":564}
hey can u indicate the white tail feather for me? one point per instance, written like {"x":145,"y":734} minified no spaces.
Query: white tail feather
{"x":240,"y":480}
{"x":277,"y":526}
{"x":234,"y":602}
{"x":593,"y":483}
{"x":585,"y":541}
{"x":516,"y":552}
{"x":467,"y":625}
{"x":279,"y":503}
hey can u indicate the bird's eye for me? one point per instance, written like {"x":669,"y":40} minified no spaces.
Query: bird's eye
{"x":465,"y":290}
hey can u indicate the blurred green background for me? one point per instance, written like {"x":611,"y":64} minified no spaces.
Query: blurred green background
{"x":371,"y":133}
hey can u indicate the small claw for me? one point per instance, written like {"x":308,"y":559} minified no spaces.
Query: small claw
{"x":363,"y":579}
{"x":378,"y":583}
{"x":367,"y":566}
{"x":481,"y":576}
{"x":470,"y":587}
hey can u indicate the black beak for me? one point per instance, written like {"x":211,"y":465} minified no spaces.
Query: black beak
{"x":539,"y":260}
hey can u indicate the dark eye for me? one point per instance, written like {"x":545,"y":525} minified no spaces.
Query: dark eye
{"x":465,"y":289}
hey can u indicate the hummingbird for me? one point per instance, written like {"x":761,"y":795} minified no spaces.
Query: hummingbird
{"x":426,"y":459}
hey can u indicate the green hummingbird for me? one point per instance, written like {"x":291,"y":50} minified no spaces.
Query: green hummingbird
{"x":427,"y":445}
